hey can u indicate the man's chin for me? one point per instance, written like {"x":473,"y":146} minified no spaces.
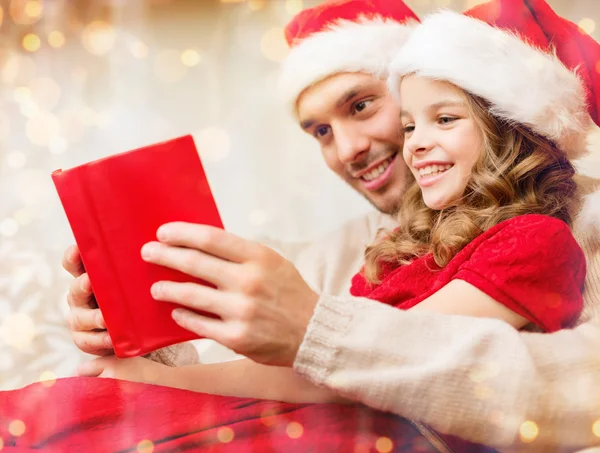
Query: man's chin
{"x":384,"y":204}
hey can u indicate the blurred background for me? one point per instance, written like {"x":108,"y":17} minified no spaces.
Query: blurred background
{"x":83,"y":79}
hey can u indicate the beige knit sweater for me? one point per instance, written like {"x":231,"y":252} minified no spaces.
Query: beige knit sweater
{"x":475,"y":378}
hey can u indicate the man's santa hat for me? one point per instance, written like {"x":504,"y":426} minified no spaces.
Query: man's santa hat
{"x":343,"y":36}
{"x":533,"y":66}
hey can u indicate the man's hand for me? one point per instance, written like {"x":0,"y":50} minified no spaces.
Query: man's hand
{"x":137,"y":369}
{"x":263,"y":303}
{"x":85,"y":320}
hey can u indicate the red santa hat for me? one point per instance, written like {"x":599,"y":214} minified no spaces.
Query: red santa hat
{"x":343,"y":36}
{"x":511,"y":65}
{"x":534,"y":67}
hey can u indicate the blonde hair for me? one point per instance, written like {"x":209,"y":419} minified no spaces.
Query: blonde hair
{"x":518,"y":172}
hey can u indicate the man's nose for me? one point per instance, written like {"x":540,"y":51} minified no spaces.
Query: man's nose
{"x":351,"y":144}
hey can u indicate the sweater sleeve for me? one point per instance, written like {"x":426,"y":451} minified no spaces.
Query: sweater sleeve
{"x":475,"y":378}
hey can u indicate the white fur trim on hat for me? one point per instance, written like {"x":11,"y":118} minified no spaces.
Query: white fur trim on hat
{"x":590,"y":213}
{"x":524,"y":84}
{"x":364,"y":46}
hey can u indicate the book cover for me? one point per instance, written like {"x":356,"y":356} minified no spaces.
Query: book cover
{"x":114,"y":206}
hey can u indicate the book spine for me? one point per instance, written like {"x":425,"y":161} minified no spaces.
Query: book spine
{"x":79,"y":203}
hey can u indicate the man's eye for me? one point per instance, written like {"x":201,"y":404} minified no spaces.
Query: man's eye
{"x":360,"y":106}
{"x":322,"y":131}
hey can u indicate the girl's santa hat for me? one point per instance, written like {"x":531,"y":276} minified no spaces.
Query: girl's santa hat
{"x":343,"y":36}
{"x":531,"y":65}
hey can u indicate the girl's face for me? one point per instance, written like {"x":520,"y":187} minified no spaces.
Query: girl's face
{"x":442,"y":141}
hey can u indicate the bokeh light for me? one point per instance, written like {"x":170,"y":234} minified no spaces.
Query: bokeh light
{"x":225,"y":434}
{"x":587,"y":25}
{"x":17,"y":428}
{"x":145,"y":446}
{"x":17,"y":329}
{"x":56,"y":39}
{"x":31,"y":42}
{"x":98,"y":37}
{"x":529,"y":431}
{"x":42,"y":128}
{"x":190,"y":57}
{"x":596,"y":428}
{"x":255,"y":5}
{"x":293,"y":7}
{"x":384,"y":444}
{"x":294,"y":430}
{"x":273,"y":44}
{"x":138,"y":49}
{"x":47,"y":378}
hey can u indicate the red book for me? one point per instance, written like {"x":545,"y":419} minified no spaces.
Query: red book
{"x":114,"y":206}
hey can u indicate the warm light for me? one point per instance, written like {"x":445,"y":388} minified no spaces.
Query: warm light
{"x":596,"y":428}
{"x":273,"y":44}
{"x":384,"y":445}
{"x":190,"y":57}
{"x":16,"y":428}
{"x":529,"y":431}
{"x":293,"y":7}
{"x":56,"y":39}
{"x":98,"y":37}
{"x":1,"y":20}
{"x":472,"y":3}
{"x":24,"y":12}
{"x":72,"y":125}
{"x":587,"y":25}
{"x":168,"y":67}
{"x":34,"y":9}
{"x":232,"y":1}
{"x":31,"y":42}
{"x":23,"y":216}
{"x":139,"y":49}
{"x":22,"y":94}
{"x":294,"y":430}
{"x":42,"y":128}
{"x":48,"y":378}
{"x":18,"y":329}
{"x":225,"y":434}
{"x":213,"y":143}
{"x":145,"y":446}
{"x":255,"y":5}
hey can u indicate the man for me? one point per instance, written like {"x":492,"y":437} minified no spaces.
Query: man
{"x":475,"y":378}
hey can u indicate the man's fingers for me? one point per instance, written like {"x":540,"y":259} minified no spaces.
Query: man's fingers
{"x":211,"y":240}
{"x":214,"y":329}
{"x":72,"y":262}
{"x":95,"y":343}
{"x":80,"y":292}
{"x":191,"y":262}
{"x":194,"y":296}
{"x":85,"y":319}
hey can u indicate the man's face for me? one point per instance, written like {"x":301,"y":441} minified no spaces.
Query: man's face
{"x":357,"y":124}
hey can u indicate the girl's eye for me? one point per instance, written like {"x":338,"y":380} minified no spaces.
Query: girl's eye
{"x":447,"y":119}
